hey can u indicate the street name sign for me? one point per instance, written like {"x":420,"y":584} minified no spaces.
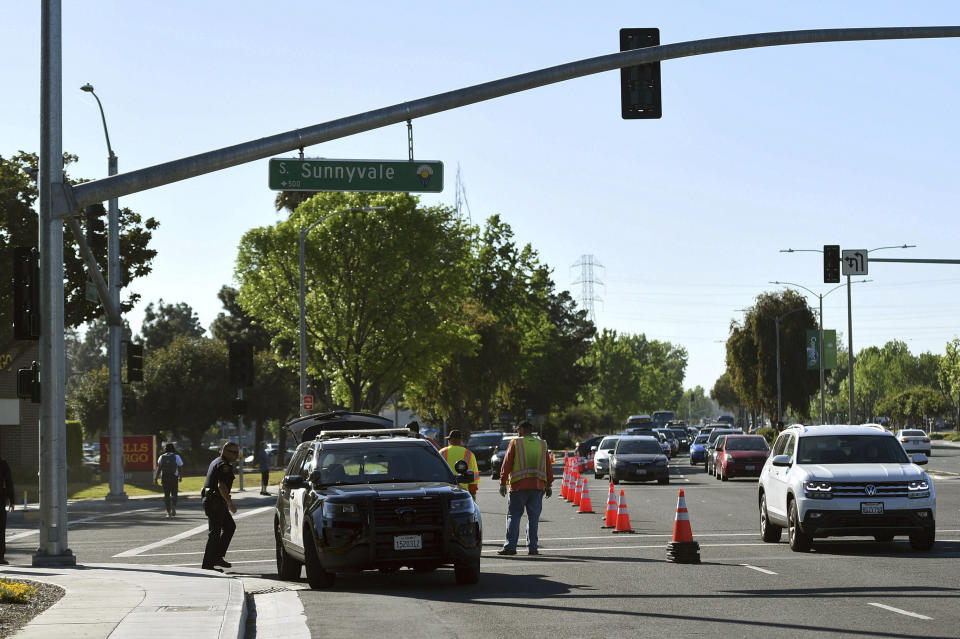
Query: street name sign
{"x":294,"y":174}
{"x":854,"y":261}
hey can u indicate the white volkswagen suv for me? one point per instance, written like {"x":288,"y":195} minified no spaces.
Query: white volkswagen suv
{"x":831,"y":481}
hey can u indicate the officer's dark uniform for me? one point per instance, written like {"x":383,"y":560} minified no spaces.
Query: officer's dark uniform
{"x":220,"y":522}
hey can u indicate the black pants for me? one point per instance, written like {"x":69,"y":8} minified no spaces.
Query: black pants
{"x":264,"y":478}
{"x":170,"y":489}
{"x":3,"y":527}
{"x":222,"y":527}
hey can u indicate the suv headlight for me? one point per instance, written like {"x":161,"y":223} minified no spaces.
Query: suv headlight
{"x":818,"y":489}
{"x":461,"y":505}
{"x":334,"y":510}
{"x":918,"y":489}
{"x":727,"y":457}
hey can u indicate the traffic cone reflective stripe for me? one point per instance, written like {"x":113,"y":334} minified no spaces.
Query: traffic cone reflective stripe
{"x":585,"y":505}
{"x":578,"y":491}
{"x":610,"y":516}
{"x":623,"y":518}
{"x":563,"y":484}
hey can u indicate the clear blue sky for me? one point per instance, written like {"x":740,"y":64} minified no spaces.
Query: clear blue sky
{"x":759,"y":150}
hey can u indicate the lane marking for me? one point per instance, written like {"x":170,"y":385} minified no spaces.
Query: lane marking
{"x":763,"y":570}
{"x":561,"y":550}
{"x":79,"y":521}
{"x":187,"y":533}
{"x":232,"y":563}
{"x":899,"y":611}
{"x":177,"y":554}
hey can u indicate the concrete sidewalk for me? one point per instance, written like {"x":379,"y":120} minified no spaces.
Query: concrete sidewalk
{"x":125,"y":601}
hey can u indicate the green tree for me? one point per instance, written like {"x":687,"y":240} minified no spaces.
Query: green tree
{"x":185,"y":390}
{"x":18,"y":227}
{"x":87,"y":400}
{"x":913,"y":405}
{"x":384,"y":293}
{"x":695,"y":405}
{"x":949,"y":376}
{"x":724,"y":394}
{"x":161,"y":325}
{"x":634,"y":374}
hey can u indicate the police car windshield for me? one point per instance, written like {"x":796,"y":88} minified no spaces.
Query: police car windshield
{"x":850,"y":449}
{"x":382,"y":465}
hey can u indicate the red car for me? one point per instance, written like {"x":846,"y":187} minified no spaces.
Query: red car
{"x":741,"y":456}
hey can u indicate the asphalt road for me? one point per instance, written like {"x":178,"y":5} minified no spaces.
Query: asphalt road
{"x":587,"y":582}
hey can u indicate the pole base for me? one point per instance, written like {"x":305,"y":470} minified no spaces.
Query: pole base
{"x":43,"y":560}
{"x":120,"y":497}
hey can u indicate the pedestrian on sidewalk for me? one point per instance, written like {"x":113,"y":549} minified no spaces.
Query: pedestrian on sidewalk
{"x":217,"y":505}
{"x":170,"y":476}
{"x":454,"y":452}
{"x":527,"y":469}
{"x":263,"y":459}
{"x":6,"y":495}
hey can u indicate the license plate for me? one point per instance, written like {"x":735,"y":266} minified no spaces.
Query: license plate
{"x":750,"y":467}
{"x":408,"y":542}
{"x":640,"y":472}
{"x":871,"y":508}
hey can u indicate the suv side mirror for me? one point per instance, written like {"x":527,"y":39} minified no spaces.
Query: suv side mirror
{"x":460,"y":467}
{"x":466,"y":477}
{"x":919,"y":459}
{"x":781,"y":460}
{"x":293,"y":481}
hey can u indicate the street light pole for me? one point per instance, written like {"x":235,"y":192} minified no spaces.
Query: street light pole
{"x":820,"y":354}
{"x":303,"y":294}
{"x":115,"y":335}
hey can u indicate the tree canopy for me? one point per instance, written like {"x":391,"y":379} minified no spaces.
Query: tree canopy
{"x":18,"y":228}
{"x":383,"y":296}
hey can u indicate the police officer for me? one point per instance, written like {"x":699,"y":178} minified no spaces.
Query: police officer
{"x":454,"y":452}
{"x":218,"y":505}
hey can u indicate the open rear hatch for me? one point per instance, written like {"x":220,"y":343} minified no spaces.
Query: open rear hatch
{"x":309,"y":426}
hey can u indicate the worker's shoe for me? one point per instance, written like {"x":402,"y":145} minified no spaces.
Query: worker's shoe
{"x":533,"y":551}
{"x":507,"y":551}
{"x":223,"y":562}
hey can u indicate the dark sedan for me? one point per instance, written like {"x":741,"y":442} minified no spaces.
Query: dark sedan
{"x":638,"y":458}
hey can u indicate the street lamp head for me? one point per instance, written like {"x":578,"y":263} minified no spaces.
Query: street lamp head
{"x":87,"y":87}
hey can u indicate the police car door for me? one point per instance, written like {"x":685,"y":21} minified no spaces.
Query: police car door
{"x":283,"y":500}
{"x":297,"y":496}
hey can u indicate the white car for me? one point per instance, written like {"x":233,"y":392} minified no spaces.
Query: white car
{"x":915,"y":440}
{"x":601,"y":458}
{"x":831,"y":481}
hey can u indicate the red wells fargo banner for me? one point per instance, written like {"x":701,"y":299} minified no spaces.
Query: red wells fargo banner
{"x":139,"y":452}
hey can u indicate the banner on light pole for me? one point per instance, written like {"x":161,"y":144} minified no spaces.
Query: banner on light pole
{"x":829,"y":349}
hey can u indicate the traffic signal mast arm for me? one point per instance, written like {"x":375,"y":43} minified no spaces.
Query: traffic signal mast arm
{"x":113,"y":313}
{"x":122,"y":184}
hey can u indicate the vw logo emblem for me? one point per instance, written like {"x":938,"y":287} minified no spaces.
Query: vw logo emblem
{"x":870,"y":489}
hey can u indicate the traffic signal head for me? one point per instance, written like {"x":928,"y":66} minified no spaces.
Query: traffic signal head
{"x":640,"y":84}
{"x":831,"y":263}
{"x":134,"y":362}
{"x":241,"y":364}
{"x":26,"y":293}
{"x":95,"y":228}
{"x":28,"y":383}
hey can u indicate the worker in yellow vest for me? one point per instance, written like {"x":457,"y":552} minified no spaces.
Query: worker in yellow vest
{"x":454,"y":452}
{"x":527,"y":469}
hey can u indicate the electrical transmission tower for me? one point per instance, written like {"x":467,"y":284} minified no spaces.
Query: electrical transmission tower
{"x":460,"y":196}
{"x":588,"y":282}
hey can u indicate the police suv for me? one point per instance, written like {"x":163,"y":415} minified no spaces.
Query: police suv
{"x":359,"y":494}
{"x":828,"y":481}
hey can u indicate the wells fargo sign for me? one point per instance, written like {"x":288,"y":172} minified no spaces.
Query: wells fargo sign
{"x":139,"y":452}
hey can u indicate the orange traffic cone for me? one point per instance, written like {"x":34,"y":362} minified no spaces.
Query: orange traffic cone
{"x":683,"y":549}
{"x":610,"y":516}
{"x":623,"y":517}
{"x":566,"y":477}
{"x":585,"y":505}
{"x":578,"y":491}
